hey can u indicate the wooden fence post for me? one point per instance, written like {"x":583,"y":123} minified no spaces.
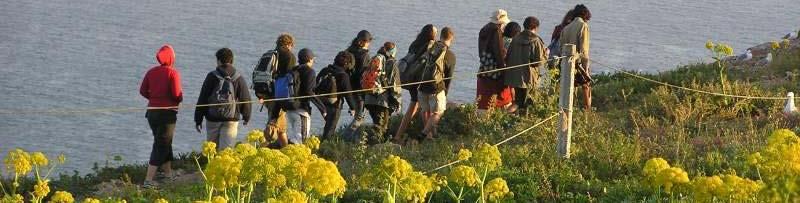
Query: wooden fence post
{"x":565,"y":99}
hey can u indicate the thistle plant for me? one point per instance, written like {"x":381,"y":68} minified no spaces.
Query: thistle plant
{"x":719,"y":52}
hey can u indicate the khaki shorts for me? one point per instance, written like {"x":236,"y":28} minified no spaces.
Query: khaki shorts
{"x":222,"y":133}
{"x":434,"y":103}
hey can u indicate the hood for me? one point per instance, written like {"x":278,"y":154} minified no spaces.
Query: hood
{"x":166,"y":55}
{"x":227,"y":69}
{"x":357,"y":50}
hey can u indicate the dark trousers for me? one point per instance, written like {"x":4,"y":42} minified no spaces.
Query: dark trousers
{"x":521,"y":98}
{"x":333,"y":110}
{"x":380,"y":118}
{"x":162,"y":122}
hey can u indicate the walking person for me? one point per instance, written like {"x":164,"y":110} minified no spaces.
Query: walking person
{"x":279,"y":58}
{"x":359,"y":48}
{"x":425,"y":39}
{"x":161,"y":87}
{"x":227,"y":91}
{"x":433,"y":95}
{"x":384,"y":77}
{"x":577,"y":33}
{"x":333,"y":81}
{"x":491,"y":91}
{"x":554,"y":47}
{"x":298,"y":111}
{"x":526,"y":48}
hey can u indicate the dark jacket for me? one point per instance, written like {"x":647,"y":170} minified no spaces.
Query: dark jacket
{"x":361,"y":62}
{"x":240,"y":88}
{"x":286,"y":60}
{"x":307,"y":79}
{"x":449,"y":68}
{"x":342,"y":84}
{"x":527,"y":47}
{"x":491,"y":51}
{"x":390,"y":98}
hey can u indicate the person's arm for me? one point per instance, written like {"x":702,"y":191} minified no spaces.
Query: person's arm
{"x":450,"y":66}
{"x":344,"y":83}
{"x":243,"y":95}
{"x":583,"y":40}
{"x":175,"y":84}
{"x":205,"y":91}
{"x":144,"y":89}
{"x":311,"y":82}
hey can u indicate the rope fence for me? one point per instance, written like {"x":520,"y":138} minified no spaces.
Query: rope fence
{"x":184,"y":106}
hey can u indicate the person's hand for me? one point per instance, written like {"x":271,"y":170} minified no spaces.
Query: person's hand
{"x":198,"y":127}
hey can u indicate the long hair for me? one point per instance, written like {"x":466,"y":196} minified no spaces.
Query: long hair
{"x":427,"y":33}
{"x":512,"y":30}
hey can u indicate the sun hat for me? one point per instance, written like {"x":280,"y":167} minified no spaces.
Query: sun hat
{"x":500,"y":16}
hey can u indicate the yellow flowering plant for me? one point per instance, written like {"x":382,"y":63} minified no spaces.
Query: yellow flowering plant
{"x":778,"y":166}
{"x":62,"y":197}
{"x":485,"y":158}
{"x":719,"y":52}
{"x":497,"y":189}
{"x":21,"y":163}
{"x":398,"y":180}
{"x":659,"y":174}
{"x":256,"y":137}
{"x":91,"y":200}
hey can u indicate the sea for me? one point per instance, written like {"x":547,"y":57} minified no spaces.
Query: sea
{"x":86,"y":58}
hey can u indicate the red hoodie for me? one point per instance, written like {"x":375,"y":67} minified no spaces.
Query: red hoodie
{"x":162,"y":84}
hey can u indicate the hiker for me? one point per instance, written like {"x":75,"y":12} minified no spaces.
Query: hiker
{"x":263,"y":83}
{"x":511,"y":30}
{"x":554,"y":48}
{"x":423,"y":42}
{"x":298,"y":111}
{"x":359,"y":47}
{"x":161,"y":87}
{"x":332,"y":80}
{"x":577,"y":33}
{"x":527,"y":47}
{"x":492,"y":53}
{"x":382,"y":74}
{"x":433,"y":95}
{"x":226,"y":87}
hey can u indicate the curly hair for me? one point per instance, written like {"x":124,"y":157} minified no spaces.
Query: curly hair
{"x":224,"y":56}
{"x":284,"y":40}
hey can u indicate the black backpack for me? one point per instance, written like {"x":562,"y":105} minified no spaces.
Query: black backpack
{"x":326,"y":83}
{"x":225,"y":94}
{"x":263,"y":73}
{"x":433,"y":71}
{"x":411,"y":67}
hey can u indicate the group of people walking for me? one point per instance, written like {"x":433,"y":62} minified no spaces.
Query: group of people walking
{"x":288,"y":85}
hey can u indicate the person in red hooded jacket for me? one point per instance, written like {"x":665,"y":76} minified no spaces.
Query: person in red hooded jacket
{"x":161,"y":87}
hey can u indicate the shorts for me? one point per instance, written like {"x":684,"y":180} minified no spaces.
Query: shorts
{"x":434,"y":103}
{"x":299,"y":126}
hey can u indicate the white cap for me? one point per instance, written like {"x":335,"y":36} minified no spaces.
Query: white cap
{"x":500,"y":16}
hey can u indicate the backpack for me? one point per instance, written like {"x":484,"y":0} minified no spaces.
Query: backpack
{"x":411,"y":68}
{"x":285,"y":85}
{"x":326,"y":83}
{"x":262,"y":74}
{"x":433,"y":69}
{"x":223,"y":94}
{"x":373,"y":75}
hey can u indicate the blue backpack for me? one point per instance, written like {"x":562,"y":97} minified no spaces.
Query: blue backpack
{"x":285,"y":85}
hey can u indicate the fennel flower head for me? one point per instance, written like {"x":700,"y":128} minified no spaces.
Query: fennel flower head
{"x":39,"y":159}
{"x":486,"y":157}
{"x":464,"y":154}
{"x":653,"y":166}
{"x":91,"y":200}
{"x":671,"y":177}
{"x":291,"y":196}
{"x":775,"y":45}
{"x":12,"y":198}
{"x":723,"y":49}
{"x":223,"y":170}
{"x":464,"y":175}
{"x":395,"y":168}
{"x":497,"y":189}
{"x":312,"y":143}
{"x":18,"y":161}
{"x":244,"y":150}
{"x":209,"y":149}
{"x":160,"y":200}
{"x":709,"y":45}
{"x":256,"y":136}
{"x":41,"y":189}
{"x":219,"y":199}
{"x":416,"y":187}
{"x":739,"y":189}
{"x":62,"y":197}
{"x":704,"y":189}
{"x":324,"y":178}
{"x":262,"y":165}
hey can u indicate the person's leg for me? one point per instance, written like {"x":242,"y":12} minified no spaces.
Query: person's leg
{"x":305,"y":124}
{"x":587,"y":97}
{"x":410,"y":113}
{"x":333,"y":109}
{"x":153,"y":120}
{"x":169,"y":133}
{"x":227,"y":134}
{"x":293,"y":130}
{"x":438,"y":104}
{"x":212,"y":133}
{"x":358,"y":119}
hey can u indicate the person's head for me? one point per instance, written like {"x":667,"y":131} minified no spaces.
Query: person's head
{"x":306,"y":56}
{"x":224,"y":56}
{"x":362,"y":40}
{"x":447,"y":35}
{"x":165,"y":55}
{"x":511,"y":30}
{"x":285,"y":40}
{"x":427,"y":33}
{"x":344,"y":59}
{"x":531,"y":23}
{"x":388,"y":49}
{"x":583,"y":12}
{"x":500,"y":17}
{"x":568,"y":17}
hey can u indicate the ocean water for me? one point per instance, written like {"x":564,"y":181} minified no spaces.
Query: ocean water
{"x":83,"y":54}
